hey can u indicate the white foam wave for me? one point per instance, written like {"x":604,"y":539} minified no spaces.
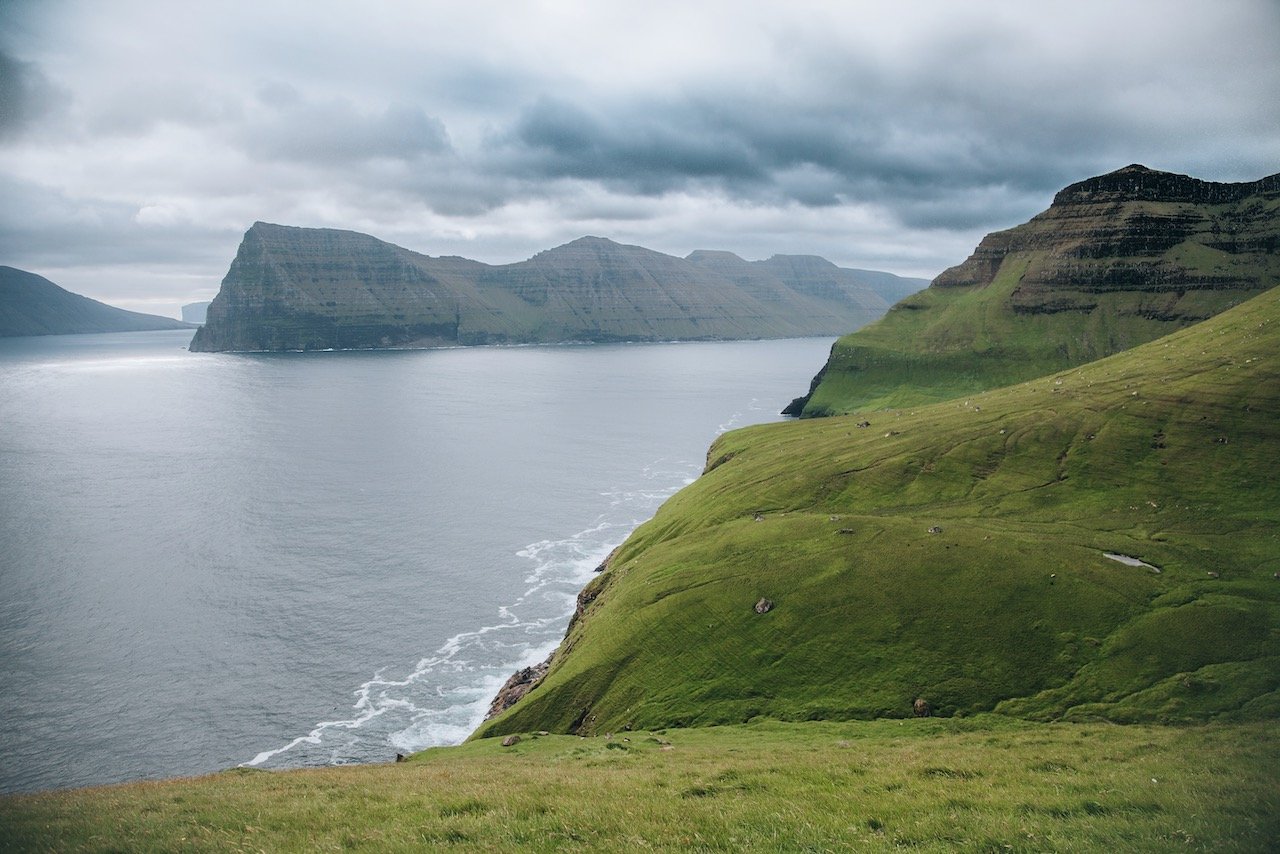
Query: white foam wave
{"x":446,"y":695}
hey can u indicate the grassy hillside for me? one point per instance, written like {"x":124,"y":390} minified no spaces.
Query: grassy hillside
{"x":927,"y":785}
{"x":33,"y":305}
{"x":1115,"y":261}
{"x":957,"y":554}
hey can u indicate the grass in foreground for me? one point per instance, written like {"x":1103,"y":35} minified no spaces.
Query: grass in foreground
{"x":978,"y":784}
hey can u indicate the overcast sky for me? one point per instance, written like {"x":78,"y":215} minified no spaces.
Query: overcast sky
{"x":139,"y":139}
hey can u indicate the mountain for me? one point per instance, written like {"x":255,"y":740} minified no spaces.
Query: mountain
{"x":1094,"y":544}
{"x":1115,"y":261}
{"x":808,"y":274}
{"x":33,"y":305}
{"x":304,"y":289}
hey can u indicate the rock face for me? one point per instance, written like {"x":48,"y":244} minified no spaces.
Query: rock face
{"x":1115,"y":261}
{"x":306,"y":289}
{"x":33,"y":305}
{"x":1136,"y":231}
{"x":520,"y":683}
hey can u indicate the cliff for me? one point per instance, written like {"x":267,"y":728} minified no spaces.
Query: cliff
{"x":305,"y":289}
{"x":33,"y":305}
{"x":1114,"y":261}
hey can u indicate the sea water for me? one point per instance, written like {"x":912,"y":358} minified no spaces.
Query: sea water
{"x":286,"y":560}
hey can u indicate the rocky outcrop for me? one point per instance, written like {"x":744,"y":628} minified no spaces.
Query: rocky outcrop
{"x":520,"y":683}
{"x":33,"y":305}
{"x":307,"y":289}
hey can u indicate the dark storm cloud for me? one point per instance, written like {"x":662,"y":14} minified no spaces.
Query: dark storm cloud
{"x":649,"y":148}
{"x":975,"y":129}
{"x":774,"y":152}
{"x":26,"y":95}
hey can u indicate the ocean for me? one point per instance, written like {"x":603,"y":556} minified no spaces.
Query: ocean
{"x":290,"y":560}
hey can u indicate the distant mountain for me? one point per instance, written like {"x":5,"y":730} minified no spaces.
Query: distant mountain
{"x":1115,"y":261}
{"x":194,"y":312}
{"x":305,"y":289}
{"x":808,"y":274}
{"x":33,"y":305}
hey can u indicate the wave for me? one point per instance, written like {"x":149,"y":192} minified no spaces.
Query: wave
{"x":445,"y":695}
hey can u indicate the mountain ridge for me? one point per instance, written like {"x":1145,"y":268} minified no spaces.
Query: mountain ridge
{"x":292,"y":288}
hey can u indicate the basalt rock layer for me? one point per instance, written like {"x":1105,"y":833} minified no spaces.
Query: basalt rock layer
{"x":1115,"y":261}
{"x":308,"y":289}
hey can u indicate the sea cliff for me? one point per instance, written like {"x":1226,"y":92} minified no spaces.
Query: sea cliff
{"x":306,"y":289}
{"x":1115,"y":261}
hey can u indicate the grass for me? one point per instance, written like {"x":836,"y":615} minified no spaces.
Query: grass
{"x":1165,"y":452}
{"x":982,"y":784}
{"x":952,"y":553}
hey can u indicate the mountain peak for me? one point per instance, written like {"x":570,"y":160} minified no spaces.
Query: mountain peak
{"x":1138,"y":183}
{"x":592,"y":241}
{"x":702,"y":256}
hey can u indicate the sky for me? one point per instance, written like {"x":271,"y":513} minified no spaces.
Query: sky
{"x":139,"y":139}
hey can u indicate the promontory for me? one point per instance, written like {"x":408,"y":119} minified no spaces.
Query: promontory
{"x":314,"y":289}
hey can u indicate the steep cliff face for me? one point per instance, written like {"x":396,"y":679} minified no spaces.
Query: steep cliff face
{"x":304,"y":289}
{"x":33,"y":305}
{"x":1115,"y":261}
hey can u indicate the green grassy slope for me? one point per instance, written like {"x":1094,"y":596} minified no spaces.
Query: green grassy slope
{"x":1114,"y":262}
{"x":927,"y":785}
{"x":1166,"y":452}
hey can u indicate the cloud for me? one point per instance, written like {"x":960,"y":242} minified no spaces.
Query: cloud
{"x":878,"y":134}
{"x":287,"y":126}
{"x":26,"y":96}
